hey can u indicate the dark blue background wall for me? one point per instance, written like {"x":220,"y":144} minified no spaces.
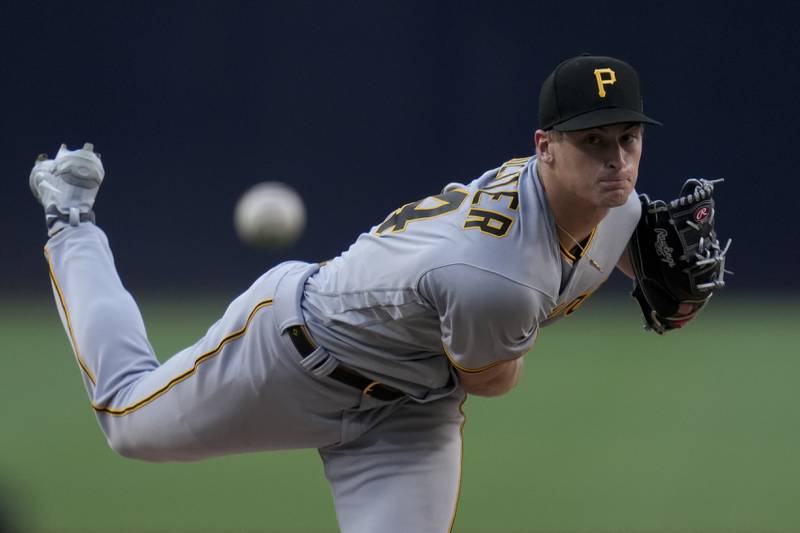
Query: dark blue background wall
{"x":363,"y":106}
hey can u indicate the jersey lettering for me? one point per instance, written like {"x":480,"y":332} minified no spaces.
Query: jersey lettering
{"x":567,"y":308}
{"x":575,"y":304}
{"x":489,"y":222}
{"x":479,"y":217}
{"x":509,"y":173}
{"x":513,"y":203}
{"x":503,"y":181}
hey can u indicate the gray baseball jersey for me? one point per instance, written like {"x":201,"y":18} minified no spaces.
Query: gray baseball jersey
{"x":473,"y":272}
{"x":463,"y":279}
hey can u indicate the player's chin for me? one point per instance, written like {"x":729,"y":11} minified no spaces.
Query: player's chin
{"x":614,"y":197}
{"x":613,"y":192}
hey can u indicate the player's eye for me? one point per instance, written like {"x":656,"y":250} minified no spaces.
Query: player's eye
{"x":593,"y":140}
{"x":629,"y":138}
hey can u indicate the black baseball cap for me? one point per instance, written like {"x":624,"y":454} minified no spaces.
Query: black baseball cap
{"x":591,"y":91}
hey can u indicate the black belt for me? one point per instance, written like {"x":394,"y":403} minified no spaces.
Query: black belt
{"x":368,"y":387}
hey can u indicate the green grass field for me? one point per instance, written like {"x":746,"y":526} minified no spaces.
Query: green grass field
{"x":611,"y":429}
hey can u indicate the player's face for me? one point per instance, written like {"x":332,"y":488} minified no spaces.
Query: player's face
{"x":599,"y":165}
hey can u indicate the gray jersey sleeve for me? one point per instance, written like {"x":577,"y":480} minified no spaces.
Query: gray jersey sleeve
{"x":485,"y":318}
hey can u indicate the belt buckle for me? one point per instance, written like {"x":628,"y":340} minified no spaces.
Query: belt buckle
{"x":302,"y":340}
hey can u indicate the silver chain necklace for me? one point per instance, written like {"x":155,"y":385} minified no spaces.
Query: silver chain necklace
{"x":592,"y":262}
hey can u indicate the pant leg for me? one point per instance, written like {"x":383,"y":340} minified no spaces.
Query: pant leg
{"x":403,"y":474}
{"x":238,"y":389}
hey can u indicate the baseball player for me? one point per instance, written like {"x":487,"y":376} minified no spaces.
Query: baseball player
{"x":368,"y":357}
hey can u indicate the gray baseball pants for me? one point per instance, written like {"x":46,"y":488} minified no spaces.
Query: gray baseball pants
{"x":243,"y":387}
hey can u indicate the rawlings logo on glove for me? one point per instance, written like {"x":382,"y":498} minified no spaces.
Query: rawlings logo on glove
{"x":677,"y":259}
{"x":662,"y":248}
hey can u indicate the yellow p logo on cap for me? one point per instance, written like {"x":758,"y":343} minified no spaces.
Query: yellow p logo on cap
{"x":602,"y":81}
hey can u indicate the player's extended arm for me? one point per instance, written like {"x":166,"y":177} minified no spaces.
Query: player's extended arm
{"x":494,"y":381}
{"x":624,"y":264}
{"x":488,"y":322}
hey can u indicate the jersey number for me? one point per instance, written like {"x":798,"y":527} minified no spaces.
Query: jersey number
{"x":400,"y":218}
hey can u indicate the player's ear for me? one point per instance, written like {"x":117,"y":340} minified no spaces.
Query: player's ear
{"x":542,"y":141}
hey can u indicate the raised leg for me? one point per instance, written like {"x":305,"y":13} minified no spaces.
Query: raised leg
{"x":237,"y":389}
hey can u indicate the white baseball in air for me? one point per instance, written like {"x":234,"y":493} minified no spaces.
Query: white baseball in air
{"x":269,"y":215}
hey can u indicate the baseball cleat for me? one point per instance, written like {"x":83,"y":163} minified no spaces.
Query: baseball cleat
{"x":67,"y":185}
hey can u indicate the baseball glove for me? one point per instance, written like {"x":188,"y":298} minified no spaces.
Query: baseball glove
{"x":676,"y":257}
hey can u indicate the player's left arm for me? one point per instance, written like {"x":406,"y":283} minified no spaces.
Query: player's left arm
{"x":494,"y":381}
{"x":488,"y":322}
{"x":624,"y":264}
